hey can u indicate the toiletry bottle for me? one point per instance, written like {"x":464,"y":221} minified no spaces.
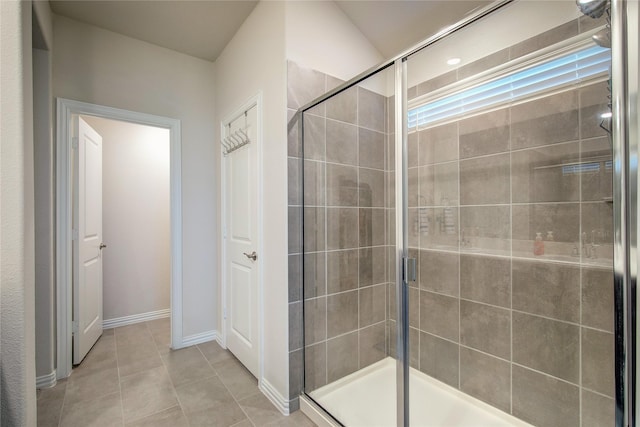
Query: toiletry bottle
{"x":538,"y":245}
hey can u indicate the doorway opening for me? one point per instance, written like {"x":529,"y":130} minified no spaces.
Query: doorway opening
{"x":130,"y":296}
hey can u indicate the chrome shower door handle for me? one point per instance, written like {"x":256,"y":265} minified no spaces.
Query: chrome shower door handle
{"x":252,"y":256}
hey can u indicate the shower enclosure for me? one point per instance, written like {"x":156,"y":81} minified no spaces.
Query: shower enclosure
{"x":469,"y":218}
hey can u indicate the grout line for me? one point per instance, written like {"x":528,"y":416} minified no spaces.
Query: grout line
{"x":166,"y":370}
{"x":457,"y":206}
{"x":115,"y":344}
{"x":358,"y":221}
{"x":459,"y":178}
{"x":237,"y":402}
{"x":580,"y":244}
{"x":511,"y":257}
{"x":326,"y":247}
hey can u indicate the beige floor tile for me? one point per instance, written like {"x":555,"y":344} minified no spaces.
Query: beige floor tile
{"x":105,"y":411}
{"x":237,"y":378}
{"x":213,"y":352}
{"x":108,"y":332}
{"x":142,"y":339}
{"x":197,"y":386}
{"x":101,"y":357}
{"x":132,"y":334}
{"x":106,"y":343}
{"x":92,"y":385}
{"x":260,"y":410}
{"x":199,"y":395}
{"x":187,"y":365}
{"x":159,"y":325}
{"x":131,"y":329}
{"x":135,"y":365}
{"x":136,"y":350}
{"x":297,"y":419}
{"x":172,"y":417}
{"x":146,"y":393}
{"x":55,"y":392}
{"x":163,"y":341}
{"x":220,"y":416}
{"x":49,"y":412}
{"x":50,"y":405}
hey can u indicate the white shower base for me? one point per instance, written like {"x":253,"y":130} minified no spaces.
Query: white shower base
{"x":367,"y":398}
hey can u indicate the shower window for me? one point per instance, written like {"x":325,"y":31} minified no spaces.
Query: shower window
{"x":554,"y":74}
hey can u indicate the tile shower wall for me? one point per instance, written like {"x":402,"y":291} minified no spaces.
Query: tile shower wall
{"x":529,"y":334}
{"x":343,"y":209}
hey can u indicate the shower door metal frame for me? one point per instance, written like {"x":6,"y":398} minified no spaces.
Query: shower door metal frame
{"x":402,"y":244}
{"x":624,"y":97}
{"x":625,"y":154}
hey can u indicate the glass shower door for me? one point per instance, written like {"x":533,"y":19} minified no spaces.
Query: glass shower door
{"x":348,"y":245}
{"x":510,"y":218}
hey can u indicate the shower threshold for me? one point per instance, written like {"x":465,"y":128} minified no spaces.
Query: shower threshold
{"x":367,"y":398}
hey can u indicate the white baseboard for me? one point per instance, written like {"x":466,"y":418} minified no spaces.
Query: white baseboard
{"x":135,"y":318}
{"x":274,"y":396}
{"x":46,"y":381}
{"x":200,"y":338}
{"x":220,"y":340}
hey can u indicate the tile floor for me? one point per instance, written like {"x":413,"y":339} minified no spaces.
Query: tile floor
{"x":132,"y":378}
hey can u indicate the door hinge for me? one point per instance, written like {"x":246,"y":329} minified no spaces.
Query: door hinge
{"x":74,"y":234}
{"x":409,"y":269}
{"x":74,"y":142}
{"x":74,"y":327}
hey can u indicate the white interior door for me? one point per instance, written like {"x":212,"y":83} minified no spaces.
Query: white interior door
{"x":87,"y":243}
{"x":241,"y":242}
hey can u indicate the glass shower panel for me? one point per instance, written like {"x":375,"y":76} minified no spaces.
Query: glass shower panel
{"x":349,"y":237}
{"x":510,"y":217}
{"x":349,"y":250}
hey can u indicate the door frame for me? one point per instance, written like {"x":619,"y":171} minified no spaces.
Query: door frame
{"x":64,"y":213}
{"x":256,"y":101}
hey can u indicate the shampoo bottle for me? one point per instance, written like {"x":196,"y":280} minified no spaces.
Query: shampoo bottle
{"x":538,"y":245}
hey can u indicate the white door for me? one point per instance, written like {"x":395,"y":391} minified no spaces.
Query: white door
{"x":87,"y":243}
{"x":241,"y":244}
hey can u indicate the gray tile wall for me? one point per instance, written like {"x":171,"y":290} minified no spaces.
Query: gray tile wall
{"x":531,"y":335}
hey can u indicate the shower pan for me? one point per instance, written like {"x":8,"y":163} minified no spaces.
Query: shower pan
{"x":469,"y":215}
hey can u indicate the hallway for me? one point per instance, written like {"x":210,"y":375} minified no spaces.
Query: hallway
{"x":132,"y":378}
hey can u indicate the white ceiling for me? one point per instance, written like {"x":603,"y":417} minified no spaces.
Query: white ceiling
{"x":393,"y":26}
{"x":203,"y":28}
{"x":197,"y":28}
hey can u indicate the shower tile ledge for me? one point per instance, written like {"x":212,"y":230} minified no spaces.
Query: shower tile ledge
{"x":367,"y":398}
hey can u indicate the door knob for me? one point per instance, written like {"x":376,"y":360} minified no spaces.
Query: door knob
{"x":253,"y":255}
{"x":102,"y":246}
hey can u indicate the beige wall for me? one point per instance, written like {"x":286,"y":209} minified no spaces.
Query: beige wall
{"x":101,"y":67}
{"x":44,"y":189}
{"x":17,"y":341}
{"x":254,"y":62}
{"x":318,"y":59}
{"x":135,"y":213}
{"x":321,"y":37}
